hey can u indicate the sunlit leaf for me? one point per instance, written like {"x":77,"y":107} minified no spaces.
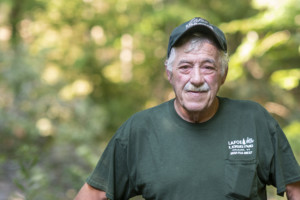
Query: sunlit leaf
{"x":286,"y":79}
{"x":293,"y":129}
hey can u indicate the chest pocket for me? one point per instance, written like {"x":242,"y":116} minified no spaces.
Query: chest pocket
{"x":240,"y":177}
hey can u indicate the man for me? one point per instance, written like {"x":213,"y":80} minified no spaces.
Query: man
{"x":198,"y":145}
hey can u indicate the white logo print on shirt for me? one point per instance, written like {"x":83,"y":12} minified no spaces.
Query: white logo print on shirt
{"x":241,"y":147}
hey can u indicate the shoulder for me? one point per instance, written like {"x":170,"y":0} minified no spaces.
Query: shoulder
{"x":250,"y":110}
{"x":144,"y":119}
{"x":152,"y":112}
{"x":240,"y":103}
{"x":243,"y":106}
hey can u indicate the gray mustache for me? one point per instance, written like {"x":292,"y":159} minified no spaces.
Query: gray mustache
{"x":192,"y":88}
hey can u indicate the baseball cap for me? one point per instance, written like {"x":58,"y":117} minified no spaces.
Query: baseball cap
{"x":197,"y":24}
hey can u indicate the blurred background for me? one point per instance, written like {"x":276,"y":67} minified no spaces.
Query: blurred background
{"x":71,"y":72}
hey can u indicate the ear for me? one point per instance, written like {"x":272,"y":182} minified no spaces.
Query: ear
{"x":224,"y":76}
{"x":169,"y":73}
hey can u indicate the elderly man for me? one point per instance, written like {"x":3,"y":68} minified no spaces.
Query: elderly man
{"x":198,"y":145}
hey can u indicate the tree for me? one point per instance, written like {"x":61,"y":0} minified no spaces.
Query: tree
{"x":73,"y":71}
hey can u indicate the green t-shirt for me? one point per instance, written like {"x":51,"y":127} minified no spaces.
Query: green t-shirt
{"x":160,"y":156}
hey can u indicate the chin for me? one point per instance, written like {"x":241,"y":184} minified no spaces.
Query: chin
{"x":194,"y":107}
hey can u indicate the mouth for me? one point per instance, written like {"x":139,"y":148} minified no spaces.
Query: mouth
{"x":197,"y":92}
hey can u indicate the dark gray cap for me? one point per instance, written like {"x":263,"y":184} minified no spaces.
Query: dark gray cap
{"x":200,"y":25}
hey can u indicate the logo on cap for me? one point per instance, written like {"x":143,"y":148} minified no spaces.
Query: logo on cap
{"x":197,"y":21}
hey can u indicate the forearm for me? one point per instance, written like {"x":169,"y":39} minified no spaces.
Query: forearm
{"x":90,"y":193}
{"x":293,"y":191}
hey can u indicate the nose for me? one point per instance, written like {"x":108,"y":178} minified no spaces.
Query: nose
{"x":197,"y":78}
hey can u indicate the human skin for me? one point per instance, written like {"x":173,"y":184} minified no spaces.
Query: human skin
{"x":293,"y":191}
{"x":87,"y":192}
{"x":199,"y":66}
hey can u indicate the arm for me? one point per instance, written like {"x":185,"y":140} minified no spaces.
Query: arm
{"x":293,"y":191}
{"x":90,"y":193}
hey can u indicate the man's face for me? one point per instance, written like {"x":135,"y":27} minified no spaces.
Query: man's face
{"x":196,"y":78}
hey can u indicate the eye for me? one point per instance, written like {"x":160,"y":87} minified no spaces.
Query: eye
{"x":208,"y":69}
{"x":184,"y":68}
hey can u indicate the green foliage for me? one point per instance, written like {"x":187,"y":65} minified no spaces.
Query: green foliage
{"x":29,"y":181}
{"x":71,"y":72}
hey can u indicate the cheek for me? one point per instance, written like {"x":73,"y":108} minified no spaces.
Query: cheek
{"x":179,"y":81}
{"x":213,"y":81}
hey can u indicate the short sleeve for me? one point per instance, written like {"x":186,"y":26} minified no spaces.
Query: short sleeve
{"x":111,"y":173}
{"x":284,"y":167}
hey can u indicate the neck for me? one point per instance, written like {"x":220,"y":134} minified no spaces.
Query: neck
{"x":198,"y":116}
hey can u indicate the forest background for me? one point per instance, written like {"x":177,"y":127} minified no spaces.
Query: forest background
{"x":71,"y":72}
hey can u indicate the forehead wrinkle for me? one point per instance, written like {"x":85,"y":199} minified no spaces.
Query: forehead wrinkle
{"x":209,"y":60}
{"x":206,"y":60}
{"x":184,"y":61}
